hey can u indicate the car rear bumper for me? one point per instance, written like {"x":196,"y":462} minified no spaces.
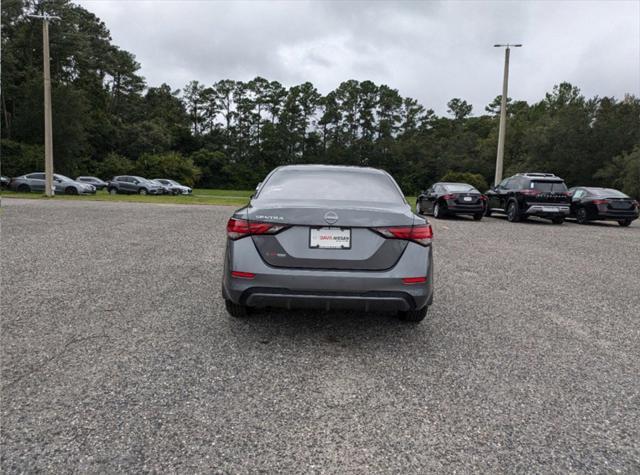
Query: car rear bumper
{"x":327,"y":289}
{"x":550,"y":210}
{"x":465,"y":209}
{"x":367,"y":301}
{"x":617,"y":215}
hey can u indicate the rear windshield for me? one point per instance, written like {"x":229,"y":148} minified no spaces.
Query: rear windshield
{"x":330,"y":185}
{"x":548,"y":186}
{"x":609,"y":192}
{"x":457,"y":188}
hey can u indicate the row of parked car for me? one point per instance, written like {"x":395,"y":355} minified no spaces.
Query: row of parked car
{"x":85,"y":185}
{"x":529,"y":194}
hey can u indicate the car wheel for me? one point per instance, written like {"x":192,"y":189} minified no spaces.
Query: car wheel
{"x":236,"y":310}
{"x":413,"y":315}
{"x":70,"y":190}
{"x":142,"y":191}
{"x":477,"y":216}
{"x":513,"y":213}
{"x":581,"y":216}
{"x":24,"y":188}
{"x":438,"y":213}
{"x":113,"y":191}
{"x":557,"y":220}
{"x":418,"y":207}
{"x":624,"y":222}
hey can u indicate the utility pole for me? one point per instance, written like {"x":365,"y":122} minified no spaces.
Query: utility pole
{"x":48,"y":135}
{"x":503,"y":113}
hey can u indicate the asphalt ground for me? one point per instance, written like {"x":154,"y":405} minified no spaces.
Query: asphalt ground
{"x":118,"y":355}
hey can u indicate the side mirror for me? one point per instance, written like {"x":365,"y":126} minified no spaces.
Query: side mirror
{"x":136,"y":182}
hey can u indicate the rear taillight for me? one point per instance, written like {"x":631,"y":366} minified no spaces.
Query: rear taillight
{"x":483,"y":198}
{"x":422,"y":234}
{"x":600,"y":202}
{"x":530,"y":192}
{"x":635,"y":203}
{"x":449,"y":197}
{"x":239,"y":228}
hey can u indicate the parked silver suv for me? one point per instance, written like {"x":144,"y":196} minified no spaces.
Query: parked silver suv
{"x":133,"y":184}
{"x":61,"y":184}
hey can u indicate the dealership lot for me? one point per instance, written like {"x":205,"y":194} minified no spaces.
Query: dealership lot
{"x":118,"y":355}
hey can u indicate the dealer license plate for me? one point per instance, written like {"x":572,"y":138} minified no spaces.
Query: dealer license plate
{"x":330,"y":238}
{"x":550,"y":209}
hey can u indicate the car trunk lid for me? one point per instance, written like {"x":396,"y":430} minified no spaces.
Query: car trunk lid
{"x":365,"y":249}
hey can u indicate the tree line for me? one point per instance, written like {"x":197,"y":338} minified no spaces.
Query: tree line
{"x":229,"y":134}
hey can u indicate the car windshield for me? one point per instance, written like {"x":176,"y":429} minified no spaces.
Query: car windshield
{"x":609,"y":192}
{"x":330,"y":185}
{"x":460,"y":188}
{"x":62,"y":178}
{"x":171,"y":182}
{"x":548,"y":186}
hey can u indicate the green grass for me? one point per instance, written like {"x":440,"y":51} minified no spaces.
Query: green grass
{"x":200,"y":196}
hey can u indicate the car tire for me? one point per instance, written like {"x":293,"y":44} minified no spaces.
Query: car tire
{"x":414,"y":315}
{"x":625,"y":222}
{"x":236,"y":310}
{"x":581,"y":216}
{"x":557,"y":220}
{"x":112,"y":191}
{"x":70,"y":190}
{"x":24,"y":188}
{"x":142,"y":191}
{"x":513,"y":213}
{"x":418,"y":208}
{"x":438,"y":213}
{"x":477,"y":216}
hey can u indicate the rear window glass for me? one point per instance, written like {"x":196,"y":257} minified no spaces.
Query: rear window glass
{"x":609,"y":192}
{"x":548,"y":186}
{"x":330,"y":185}
{"x":460,"y":188}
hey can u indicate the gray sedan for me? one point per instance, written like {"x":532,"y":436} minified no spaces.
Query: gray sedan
{"x":329,"y":237}
{"x":173,"y":186}
{"x":61,"y":184}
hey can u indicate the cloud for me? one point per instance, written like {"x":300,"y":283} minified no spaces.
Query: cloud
{"x":431,"y":51}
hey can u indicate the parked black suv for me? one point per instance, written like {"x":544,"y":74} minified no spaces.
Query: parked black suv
{"x":133,"y":184}
{"x":530,"y":194}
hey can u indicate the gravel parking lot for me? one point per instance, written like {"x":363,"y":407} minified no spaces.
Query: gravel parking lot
{"x":118,"y":355}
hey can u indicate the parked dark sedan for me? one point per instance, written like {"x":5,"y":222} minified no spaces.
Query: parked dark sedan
{"x":444,"y":199}
{"x":92,"y":180}
{"x":594,"y":204}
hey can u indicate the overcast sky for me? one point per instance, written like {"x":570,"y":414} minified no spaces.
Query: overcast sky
{"x":431,"y":51}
